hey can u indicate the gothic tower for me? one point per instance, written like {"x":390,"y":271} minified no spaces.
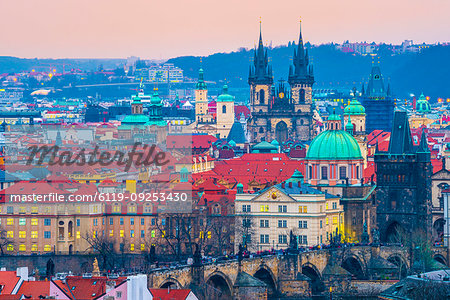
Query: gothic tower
{"x":260,"y":78}
{"x":225,"y":113}
{"x":403,"y":192}
{"x":301,"y":80}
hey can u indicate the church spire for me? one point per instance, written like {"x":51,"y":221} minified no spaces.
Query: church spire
{"x":260,"y":71}
{"x":301,"y":73}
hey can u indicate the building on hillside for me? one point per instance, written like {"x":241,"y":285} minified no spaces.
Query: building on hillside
{"x":279,"y":113}
{"x":378,"y":102}
{"x":264,"y":220}
{"x":403,"y":193}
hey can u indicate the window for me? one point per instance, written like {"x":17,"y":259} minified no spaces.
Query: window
{"x":111,"y":221}
{"x":142,"y":233}
{"x":342,"y":172}
{"x":95,"y":222}
{"x":310,"y":173}
{"x":131,"y":221}
{"x":282,"y":223}
{"x":34,"y":210}
{"x":121,"y":221}
{"x":118,"y":294}
{"x":131,"y":247}
{"x":264,"y":238}
{"x":10,"y":247}
{"x":302,"y":224}
{"x":303,"y":239}
{"x":111,"y":232}
{"x":153,"y":221}
{"x":163,"y":222}
{"x":246,"y":223}
{"x":22,"y":210}
{"x":209,"y":234}
{"x":34,"y":234}
{"x":103,"y":221}
{"x":224,"y":109}
{"x":78,"y":234}
{"x":302,"y":209}
{"x":47,"y":248}
{"x":326,"y":206}
{"x":324,"y":172}
{"x":47,"y":222}
{"x":95,"y":209}
{"x":34,"y":247}
{"x":153,"y":233}
{"x":264,"y":208}
{"x":320,"y":224}
{"x":246,"y":208}
{"x":131,"y":233}
{"x":357,"y":172}
{"x":282,"y":239}
{"x":78,"y":222}
{"x":334,"y":205}
{"x":9,"y":221}
{"x":335,"y":219}
{"x":10,"y":210}
{"x":22,"y":247}
{"x":264,"y":223}
{"x":116,"y":208}
{"x":142,"y":247}
{"x":34,"y":222}
{"x":121,"y":233}
{"x":47,"y":235}
{"x":201,"y":235}
{"x":22,"y":234}
{"x":261,"y":96}
{"x":142,"y":221}
{"x":10,"y":234}
{"x":326,"y":221}
{"x":282,"y":208}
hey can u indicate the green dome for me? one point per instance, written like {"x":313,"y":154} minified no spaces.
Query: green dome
{"x":264,"y":147}
{"x":334,"y":117}
{"x":296,"y":177}
{"x":354,"y":108}
{"x":334,"y":145}
{"x":225,"y":97}
{"x":201,"y":85}
{"x":275,"y":143}
{"x":155,"y":98}
{"x":239,"y":185}
{"x":232,"y":143}
{"x":135,"y":119}
{"x":422,"y":105}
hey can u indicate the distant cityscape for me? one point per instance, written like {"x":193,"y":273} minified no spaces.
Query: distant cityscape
{"x":138,"y":181}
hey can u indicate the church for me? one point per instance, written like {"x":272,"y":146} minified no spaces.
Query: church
{"x":281,"y":112}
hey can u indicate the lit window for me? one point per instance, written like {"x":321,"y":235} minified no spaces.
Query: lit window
{"x":10,"y":234}
{"x":111,"y":232}
{"x":116,"y":208}
{"x":335,"y":219}
{"x":34,"y":247}
{"x":47,"y":248}
{"x":78,"y":234}
{"x":22,"y":210}
{"x":34,"y":210}
{"x":131,"y":233}
{"x":34,"y":222}
{"x":264,"y":208}
{"x":132,"y":247}
{"x":94,"y":234}
{"x":201,"y":235}
{"x":121,"y":233}
{"x":142,"y":247}
{"x":132,"y":209}
{"x":326,"y":205}
{"x":153,"y":233}
{"x":209,"y":234}
{"x":22,"y":247}
{"x":22,"y":234}
{"x":10,"y":247}
{"x":34,"y":234}
{"x":9,"y":221}
{"x":326,"y":221}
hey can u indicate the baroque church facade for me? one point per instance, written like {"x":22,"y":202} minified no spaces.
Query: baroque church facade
{"x":281,"y":112}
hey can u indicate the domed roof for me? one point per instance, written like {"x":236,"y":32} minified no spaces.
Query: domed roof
{"x":239,"y":185}
{"x":201,"y":85}
{"x":354,"y":108}
{"x":225,"y":97}
{"x":275,"y":143}
{"x":422,"y":105}
{"x":334,"y":117}
{"x":232,"y":143}
{"x":135,"y":119}
{"x":334,"y":145}
{"x":155,"y":98}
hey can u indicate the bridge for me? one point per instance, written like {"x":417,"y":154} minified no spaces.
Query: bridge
{"x":292,"y":275}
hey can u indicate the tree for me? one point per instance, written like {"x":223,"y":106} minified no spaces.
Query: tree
{"x":4,"y":241}
{"x":245,"y":228}
{"x":103,"y":245}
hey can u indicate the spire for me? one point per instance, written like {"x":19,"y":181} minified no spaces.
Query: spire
{"x":423,"y":146}
{"x":260,"y":71}
{"x":400,"y":141}
{"x":302,"y":73}
{"x":201,"y":85}
{"x":349,"y":126}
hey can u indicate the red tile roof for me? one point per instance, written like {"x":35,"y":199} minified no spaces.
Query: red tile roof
{"x":167,"y":294}
{"x":34,"y":289}
{"x":77,"y":287}
{"x":8,"y":279}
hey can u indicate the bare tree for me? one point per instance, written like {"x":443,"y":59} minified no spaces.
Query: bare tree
{"x":103,"y":246}
{"x":246,"y":229}
{"x":4,"y":241}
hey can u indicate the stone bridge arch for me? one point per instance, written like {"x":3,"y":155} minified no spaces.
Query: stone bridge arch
{"x":170,"y":282}
{"x":401,"y":263}
{"x":218,"y":286}
{"x":313,"y":273}
{"x":265,"y":274}
{"x":355,"y":265}
{"x":440,"y":259}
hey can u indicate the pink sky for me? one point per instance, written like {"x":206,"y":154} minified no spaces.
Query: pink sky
{"x":163,"y":29}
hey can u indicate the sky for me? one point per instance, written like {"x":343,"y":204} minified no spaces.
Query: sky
{"x":166,"y":28}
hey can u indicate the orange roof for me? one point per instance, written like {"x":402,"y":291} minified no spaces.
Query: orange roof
{"x":77,"y":287}
{"x":167,"y":294}
{"x":34,"y":289}
{"x":8,"y":279}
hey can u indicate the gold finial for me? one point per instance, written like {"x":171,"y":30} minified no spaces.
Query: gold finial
{"x":200,"y":60}
{"x":260,"y":20}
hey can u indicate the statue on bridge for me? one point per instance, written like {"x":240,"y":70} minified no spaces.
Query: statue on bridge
{"x":197,"y":261}
{"x":293,"y":243}
{"x":365,"y":239}
{"x":375,"y":236}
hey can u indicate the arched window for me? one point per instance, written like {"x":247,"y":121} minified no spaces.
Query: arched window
{"x":224,"y":109}
{"x":261,"y":130}
{"x":302,"y":96}
{"x":310,"y":172}
{"x":261,"y":97}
